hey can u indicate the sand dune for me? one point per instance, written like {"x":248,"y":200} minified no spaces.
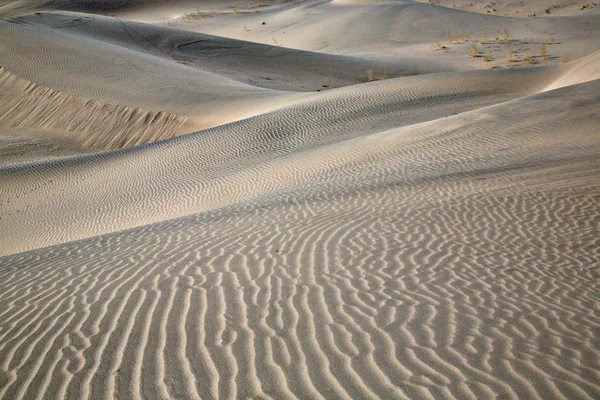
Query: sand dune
{"x":93,"y":125}
{"x":247,"y":62}
{"x":191,"y":210}
{"x":531,"y":8}
{"x":583,"y":70}
{"x":402,"y":30}
{"x":114,"y":74}
{"x":210,"y":164}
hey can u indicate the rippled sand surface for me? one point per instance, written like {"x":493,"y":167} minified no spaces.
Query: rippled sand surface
{"x":194,"y":204}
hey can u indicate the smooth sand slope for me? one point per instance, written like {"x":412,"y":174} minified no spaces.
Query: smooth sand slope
{"x":188,"y":212}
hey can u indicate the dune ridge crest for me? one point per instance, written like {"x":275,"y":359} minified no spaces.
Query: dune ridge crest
{"x":90,"y":124}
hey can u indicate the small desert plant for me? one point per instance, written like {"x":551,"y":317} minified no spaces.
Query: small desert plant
{"x":551,"y":39}
{"x":474,"y":51}
{"x":510,"y":58}
{"x":196,"y":15}
{"x":275,"y":41}
{"x":543,"y":51}
{"x":463,"y":37}
{"x":370,"y":75}
{"x":566,"y":59}
{"x":507,"y":35}
{"x":485,"y":58}
{"x":450,"y":39}
{"x":471,"y":38}
{"x":530,"y":56}
{"x":246,"y":28}
{"x":437,"y":45}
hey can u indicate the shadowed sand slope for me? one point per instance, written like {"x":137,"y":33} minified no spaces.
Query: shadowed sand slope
{"x":111,"y":73}
{"x":255,"y":64}
{"x":189,"y":210}
{"x":147,"y":10}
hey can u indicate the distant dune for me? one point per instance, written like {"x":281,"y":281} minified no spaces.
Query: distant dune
{"x":299,"y":199}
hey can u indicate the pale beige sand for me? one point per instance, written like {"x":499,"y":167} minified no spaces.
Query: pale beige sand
{"x":402,"y":31}
{"x":88,"y":124}
{"x":529,"y":8}
{"x":428,"y":236}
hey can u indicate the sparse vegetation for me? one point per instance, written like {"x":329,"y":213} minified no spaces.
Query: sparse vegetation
{"x":566,"y":59}
{"x":487,"y":49}
{"x":474,"y":51}
{"x":235,"y":9}
{"x":371,"y":75}
{"x":543,"y":52}
{"x":530,"y":57}
{"x":437,"y":45}
{"x":510,"y":58}
{"x":196,"y":15}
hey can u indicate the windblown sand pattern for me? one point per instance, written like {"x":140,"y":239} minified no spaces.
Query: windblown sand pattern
{"x":423,"y":237}
{"x":90,"y":124}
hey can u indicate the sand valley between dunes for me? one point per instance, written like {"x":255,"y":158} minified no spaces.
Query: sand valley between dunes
{"x":276,"y":199}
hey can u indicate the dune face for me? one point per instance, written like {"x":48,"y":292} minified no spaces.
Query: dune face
{"x":347,"y":201}
{"x":89,"y":124}
{"x":531,"y":8}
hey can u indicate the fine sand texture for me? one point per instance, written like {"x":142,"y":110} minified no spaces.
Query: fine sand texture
{"x":343,"y":199}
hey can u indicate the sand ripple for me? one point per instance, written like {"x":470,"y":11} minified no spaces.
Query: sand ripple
{"x":423,"y":237}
